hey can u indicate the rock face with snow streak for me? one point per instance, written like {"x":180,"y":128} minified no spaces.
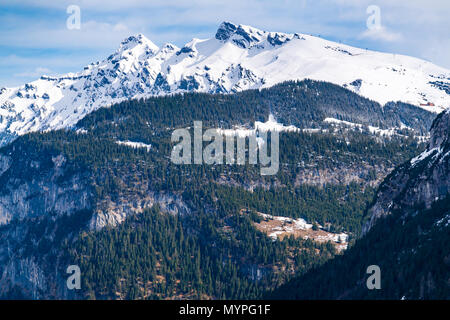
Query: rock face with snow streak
{"x":238,"y":57}
{"x":419,"y":182}
{"x":46,"y":200}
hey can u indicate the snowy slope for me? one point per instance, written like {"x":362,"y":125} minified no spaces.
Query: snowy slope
{"x":237,"y":58}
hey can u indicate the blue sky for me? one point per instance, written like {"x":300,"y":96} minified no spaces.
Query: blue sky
{"x":34,"y":39}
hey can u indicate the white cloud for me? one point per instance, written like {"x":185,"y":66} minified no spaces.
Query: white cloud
{"x":380,"y":34}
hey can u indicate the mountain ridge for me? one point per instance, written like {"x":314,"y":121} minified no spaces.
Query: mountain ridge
{"x":239,"y":57}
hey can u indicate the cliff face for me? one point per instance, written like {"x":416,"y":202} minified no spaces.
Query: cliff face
{"x":40,"y":196}
{"x":45,"y":202}
{"x":418,"y":182}
{"x":33,"y":187}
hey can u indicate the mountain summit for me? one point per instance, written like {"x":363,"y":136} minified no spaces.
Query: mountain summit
{"x":239,"y":57}
{"x":246,"y":36}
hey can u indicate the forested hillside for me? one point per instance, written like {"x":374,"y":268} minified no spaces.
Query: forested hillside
{"x":413,"y":257}
{"x":406,"y":233}
{"x":140,"y":226}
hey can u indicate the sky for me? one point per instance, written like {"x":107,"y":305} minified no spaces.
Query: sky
{"x":42,"y":37}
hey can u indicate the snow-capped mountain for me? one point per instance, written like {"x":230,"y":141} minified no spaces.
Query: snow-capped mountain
{"x":238,"y":57}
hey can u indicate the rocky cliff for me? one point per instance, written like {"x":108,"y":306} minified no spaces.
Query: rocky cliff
{"x":418,"y":182}
{"x":406,"y":235}
{"x":46,"y":200}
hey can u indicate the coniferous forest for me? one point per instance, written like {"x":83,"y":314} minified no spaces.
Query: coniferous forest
{"x":190,"y":231}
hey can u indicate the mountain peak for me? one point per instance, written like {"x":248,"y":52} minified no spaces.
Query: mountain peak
{"x":136,"y":40}
{"x":242,"y":36}
{"x":226,"y":30}
{"x":245,"y":36}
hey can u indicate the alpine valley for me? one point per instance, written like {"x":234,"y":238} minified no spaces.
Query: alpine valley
{"x":86,"y":177}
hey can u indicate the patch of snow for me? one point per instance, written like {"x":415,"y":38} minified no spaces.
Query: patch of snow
{"x":81,"y":131}
{"x":424,"y":155}
{"x":291,"y":225}
{"x":444,"y":222}
{"x":135,"y":145}
{"x":299,"y":224}
{"x":374,"y":130}
{"x":269,"y":125}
